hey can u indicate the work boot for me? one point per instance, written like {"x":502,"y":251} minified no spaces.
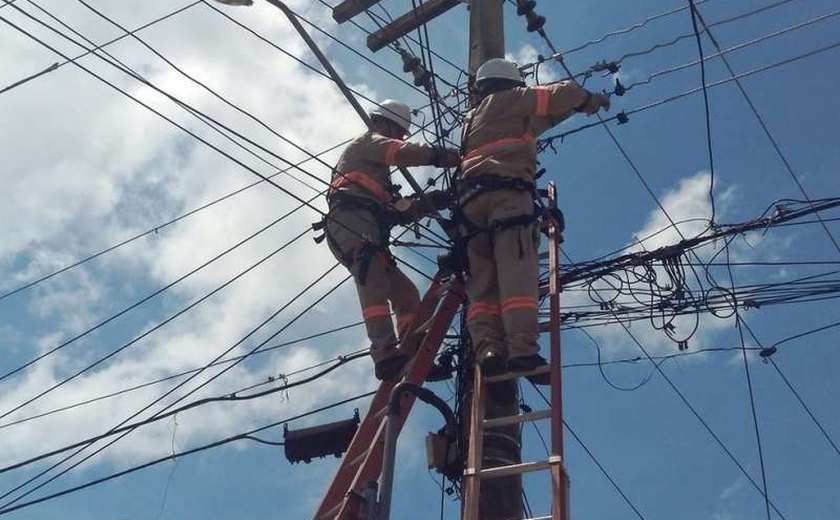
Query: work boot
{"x":390,"y":367}
{"x":529,"y":364}
{"x":492,"y":364}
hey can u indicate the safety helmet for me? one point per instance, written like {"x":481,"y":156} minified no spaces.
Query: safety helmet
{"x":498,"y":68}
{"x":394,"y":111}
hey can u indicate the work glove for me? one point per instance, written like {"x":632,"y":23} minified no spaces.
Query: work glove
{"x":411,"y":209}
{"x":593,"y":103}
{"x":446,"y":157}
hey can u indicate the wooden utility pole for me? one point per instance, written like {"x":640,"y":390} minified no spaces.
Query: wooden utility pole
{"x":500,"y":498}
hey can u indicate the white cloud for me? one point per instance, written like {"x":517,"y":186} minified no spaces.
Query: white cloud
{"x":689,"y":207}
{"x":86,"y":167}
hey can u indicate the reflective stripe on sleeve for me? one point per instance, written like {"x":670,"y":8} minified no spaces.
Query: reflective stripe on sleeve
{"x":542,"y":103}
{"x":391,"y":152}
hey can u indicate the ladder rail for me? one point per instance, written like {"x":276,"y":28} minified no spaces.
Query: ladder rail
{"x":478,"y":423}
{"x":361,"y":446}
{"x":420,"y":367}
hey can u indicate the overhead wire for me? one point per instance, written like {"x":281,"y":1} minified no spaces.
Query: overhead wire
{"x":180,"y":126}
{"x":708,"y":117}
{"x":154,"y":294}
{"x":178,"y":375}
{"x":226,"y":397}
{"x":764,"y":126}
{"x":170,"y":457}
{"x":57,"y":65}
{"x":179,"y":385}
{"x":598,"y":464}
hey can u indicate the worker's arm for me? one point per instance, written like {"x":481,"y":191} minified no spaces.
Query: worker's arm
{"x":550,"y":104}
{"x":394,"y":152}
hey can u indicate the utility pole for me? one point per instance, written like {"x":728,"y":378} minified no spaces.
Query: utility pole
{"x":501,"y":498}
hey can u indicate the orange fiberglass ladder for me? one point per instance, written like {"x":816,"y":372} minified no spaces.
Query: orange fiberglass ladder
{"x":362,"y":463}
{"x":474,"y":473}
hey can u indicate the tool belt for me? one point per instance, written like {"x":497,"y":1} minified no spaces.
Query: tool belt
{"x":364,"y":254}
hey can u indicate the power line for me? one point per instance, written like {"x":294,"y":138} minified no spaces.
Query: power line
{"x":141,"y":336}
{"x":179,"y":374}
{"x":155,"y":293}
{"x":181,"y":454}
{"x":706,"y":109}
{"x":181,"y":127}
{"x":229,"y":397}
{"x":718,"y":23}
{"x":764,"y":127}
{"x":547,"y":141}
{"x":57,"y":65}
{"x":170,"y":391}
{"x":632,"y":28}
{"x":738,"y":47}
{"x":595,"y":460}
{"x":804,"y":406}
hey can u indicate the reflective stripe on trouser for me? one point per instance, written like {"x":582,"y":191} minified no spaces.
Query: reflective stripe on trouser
{"x":385,"y":287}
{"x":502,"y":279}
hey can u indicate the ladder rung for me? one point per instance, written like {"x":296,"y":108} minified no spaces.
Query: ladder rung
{"x":516,"y":419}
{"x":513,"y":375}
{"x":358,"y":460}
{"x":518,"y":469}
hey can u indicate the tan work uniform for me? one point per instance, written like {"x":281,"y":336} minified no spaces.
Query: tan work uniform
{"x":360,"y":192}
{"x":500,"y":139}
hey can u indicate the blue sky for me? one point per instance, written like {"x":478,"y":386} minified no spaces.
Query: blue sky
{"x":86,"y":168}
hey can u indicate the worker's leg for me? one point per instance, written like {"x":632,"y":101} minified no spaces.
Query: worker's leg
{"x":349,"y":232}
{"x":484,"y":312}
{"x":515,"y":251}
{"x":405,"y":299}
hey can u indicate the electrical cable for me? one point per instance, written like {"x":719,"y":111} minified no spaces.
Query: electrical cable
{"x":181,"y":127}
{"x":708,"y":116}
{"x":179,"y":385}
{"x":594,"y":459}
{"x":764,"y":127}
{"x":57,"y":65}
{"x":181,"y":454}
{"x":152,"y":295}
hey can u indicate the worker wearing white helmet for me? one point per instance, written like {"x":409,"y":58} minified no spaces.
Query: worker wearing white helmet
{"x":361,"y":201}
{"x":496,"y":190}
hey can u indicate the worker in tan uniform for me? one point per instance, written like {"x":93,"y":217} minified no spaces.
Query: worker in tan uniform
{"x":496,"y":194}
{"x":362,"y":211}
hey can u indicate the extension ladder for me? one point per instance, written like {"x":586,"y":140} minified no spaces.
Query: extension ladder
{"x":362,"y":463}
{"x":474,"y":474}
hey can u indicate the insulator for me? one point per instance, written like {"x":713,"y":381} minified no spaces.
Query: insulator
{"x":620,"y":89}
{"x":410,"y":62}
{"x":535,"y":21}
{"x":525,"y":7}
{"x":422,"y":78}
{"x":622,"y":117}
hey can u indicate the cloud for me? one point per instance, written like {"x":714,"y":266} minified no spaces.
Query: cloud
{"x":688,"y":206}
{"x":86,"y":167}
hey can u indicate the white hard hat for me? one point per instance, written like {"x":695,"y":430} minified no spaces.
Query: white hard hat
{"x":498,"y":68}
{"x":395,"y":112}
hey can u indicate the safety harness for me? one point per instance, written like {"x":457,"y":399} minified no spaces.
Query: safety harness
{"x":364,"y":254}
